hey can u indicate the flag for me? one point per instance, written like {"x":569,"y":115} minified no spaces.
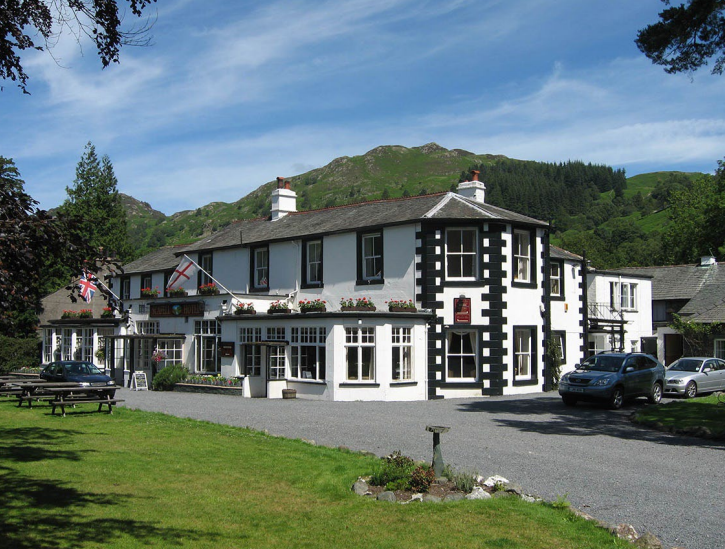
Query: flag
{"x":88,"y":286}
{"x":183,"y":272}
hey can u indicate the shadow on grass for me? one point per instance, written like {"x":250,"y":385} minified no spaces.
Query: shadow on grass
{"x":549,"y":416}
{"x":42,"y":513}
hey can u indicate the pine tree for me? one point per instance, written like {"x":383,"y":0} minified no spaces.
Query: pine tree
{"x":94,"y":206}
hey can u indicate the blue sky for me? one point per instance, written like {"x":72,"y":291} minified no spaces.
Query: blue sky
{"x":233,"y":94}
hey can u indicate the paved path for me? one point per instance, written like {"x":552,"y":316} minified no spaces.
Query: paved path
{"x":605,"y":465}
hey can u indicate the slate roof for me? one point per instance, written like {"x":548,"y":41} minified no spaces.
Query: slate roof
{"x":672,"y":282}
{"x":559,"y":253}
{"x":163,"y":259}
{"x":377,"y":213}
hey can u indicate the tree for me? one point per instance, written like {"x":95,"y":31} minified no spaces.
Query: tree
{"x":686,"y":37}
{"x":23,"y":21}
{"x":31,"y":239}
{"x":95,"y":207}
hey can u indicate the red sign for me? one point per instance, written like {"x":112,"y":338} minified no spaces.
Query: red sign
{"x":462,"y":310}
{"x":227,"y":348}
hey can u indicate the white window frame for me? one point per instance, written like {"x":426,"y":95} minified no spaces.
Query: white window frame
{"x":556,"y":271}
{"x":623,"y":295}
{"x":251,"y":354}
{"x":48,"y":337}
{"x":374,"y":255}
{"x":207,"y":334}
{"x":313,"y":269}
{"x":473,"y":335}
{"x":67,"y":344}
{"x":277,"y":362}
{"x":303,"y":342}
{"x":206,"y":262}
{"x":402,"y":353}
{"x":458,"y":256}
{"x":359,"y":341}
{"x":522,"y":256}
{"x":260,"y":268}
{"x":523,"y":354}
{"x":173,"y":349}
{"x":147,"y":327}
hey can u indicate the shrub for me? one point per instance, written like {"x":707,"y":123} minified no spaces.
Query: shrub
{"x":392,"y":468}
{"x":165,"y":379}
{"x":16,"y":353}
{"x":464,"y":481}
{"x":421,"y":479}
{"x":400,"y":484}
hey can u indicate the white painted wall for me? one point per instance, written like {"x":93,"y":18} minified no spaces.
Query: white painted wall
{"x":566,"y":315}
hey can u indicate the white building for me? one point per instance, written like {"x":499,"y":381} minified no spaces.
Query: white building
{"x":478,"y":277}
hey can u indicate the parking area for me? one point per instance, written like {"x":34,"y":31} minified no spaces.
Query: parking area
{"x":604,"y":464}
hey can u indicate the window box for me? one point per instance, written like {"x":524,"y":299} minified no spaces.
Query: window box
{"x":278,"y":311}
{"x":149,"y":293}
{"x":359,"y":304}
{"x":316,"y":306}
{"x":178,"y":292}
{"x":360,"y":308}
{"x":240,"y":312}
{"x":208,"y":289}
{"x":402,"y":306}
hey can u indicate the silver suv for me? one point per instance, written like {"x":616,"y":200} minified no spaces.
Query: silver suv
{"x":614,"y":377}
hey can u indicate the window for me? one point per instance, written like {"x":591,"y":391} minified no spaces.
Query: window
{"x":312,"y":263}
{"x":360,"y":354}
{"x":147,"y":327}
{"x":67,"y":344}
{"x":720,"y":348}
{"x":402,"y":354}
{"x":145,"y":282}
{"x":125,"y":288}
{"x":206,"y":264}
{"x":461,"y":357}
{"x":556,"y":280}
{"x":559,"y":338}
{"x":370,"y":258}
{"x":47,"y":345}
{"x":251,"y":354}
{"x":206,"y":336}
{"x":523,"y":353}
{"x":522,"y":256}
{"x":461,"y":252}
{"x":172,"y":349}
{"x":623,"y":296}
{"x":260,"y":268}
{"x":307,"y":358}
{"x":277,"y":333}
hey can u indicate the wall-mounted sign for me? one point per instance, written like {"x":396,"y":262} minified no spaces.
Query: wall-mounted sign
{"x":227,"y":348}
{"x":462,"y":310}
{"x":194,"y":308}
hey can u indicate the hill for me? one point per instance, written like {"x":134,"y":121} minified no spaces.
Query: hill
{"x":593,"y":209}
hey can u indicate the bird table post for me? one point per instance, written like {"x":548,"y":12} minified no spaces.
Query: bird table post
{"x":437,"y":453}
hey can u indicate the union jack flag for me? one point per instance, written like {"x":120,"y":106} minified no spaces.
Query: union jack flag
{"x":88,"y":286}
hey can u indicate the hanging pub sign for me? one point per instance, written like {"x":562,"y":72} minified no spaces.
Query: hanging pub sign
{"x":462,"y":310}
{"x":193,"y":308}
{"x":226,"y":348}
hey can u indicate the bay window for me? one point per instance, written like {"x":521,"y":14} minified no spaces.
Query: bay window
{"x":360,"y":353}
{"x":402,"y":354}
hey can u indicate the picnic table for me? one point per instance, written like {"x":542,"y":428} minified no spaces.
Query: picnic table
{"x":38,"y":389}
{"x":70,"y":396}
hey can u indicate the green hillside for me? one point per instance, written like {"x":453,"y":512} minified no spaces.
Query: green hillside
{"x":593,"y":209}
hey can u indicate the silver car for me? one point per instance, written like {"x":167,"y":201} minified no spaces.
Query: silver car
{"x":689,"y":376}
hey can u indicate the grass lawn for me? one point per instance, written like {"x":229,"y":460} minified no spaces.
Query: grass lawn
{"x":683,"y":414}
{"x":139,"y":479}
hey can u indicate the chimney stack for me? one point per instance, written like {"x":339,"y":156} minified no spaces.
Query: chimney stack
{"x":284,"y":199}
{"x":473,"y":190}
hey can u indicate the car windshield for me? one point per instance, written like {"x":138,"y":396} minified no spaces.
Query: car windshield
{"x":602,"y":363}
{"x":83,"y":369}
{"x":687,"y":365}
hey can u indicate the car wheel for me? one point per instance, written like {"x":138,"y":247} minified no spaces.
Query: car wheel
{"x":691,"y":390}
{"x":655,"y":395}
{"x":617,"y":399}
{"x":569,"y":401}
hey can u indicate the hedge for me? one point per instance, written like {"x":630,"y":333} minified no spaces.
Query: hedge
{"x":18,"y":353}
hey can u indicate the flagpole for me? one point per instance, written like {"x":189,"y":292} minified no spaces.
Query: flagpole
{"x":227,"y":290}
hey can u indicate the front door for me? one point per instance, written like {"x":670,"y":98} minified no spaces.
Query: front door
{"x":673,"y":348}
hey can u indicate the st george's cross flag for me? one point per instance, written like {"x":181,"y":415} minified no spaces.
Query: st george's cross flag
{"x":88,"y":286}
{"x":183,"y":272}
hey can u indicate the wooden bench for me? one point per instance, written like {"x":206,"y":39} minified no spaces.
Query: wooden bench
{"x":63,"y":402}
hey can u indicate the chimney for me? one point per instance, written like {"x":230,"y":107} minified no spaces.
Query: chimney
{"x":284,"y":199}
{"x":473,"y":190}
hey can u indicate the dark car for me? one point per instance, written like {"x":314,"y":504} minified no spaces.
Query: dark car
{"x":613,"y":377}
{"x":85,"y":373}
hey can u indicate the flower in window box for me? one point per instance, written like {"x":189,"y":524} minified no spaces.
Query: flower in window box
{"x":208,"y":289}
{"x":85,"y":313}
{"x":69,"y":314}
{"x":358,"y":304}
{"x":312,"y":306}
{"x":244,"y":309}
{"x":107,"y":312}
{"x":401,"y":306}
{"x":278,"y":307}
{"x":177,"y":292}
{"x":150,"y":293}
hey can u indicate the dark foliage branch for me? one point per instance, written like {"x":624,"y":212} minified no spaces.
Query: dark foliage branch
{"x":686,"y":37}
{"x":35,"y":24}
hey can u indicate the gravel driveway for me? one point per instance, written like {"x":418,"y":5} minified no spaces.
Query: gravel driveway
{"x":610,"y":468}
